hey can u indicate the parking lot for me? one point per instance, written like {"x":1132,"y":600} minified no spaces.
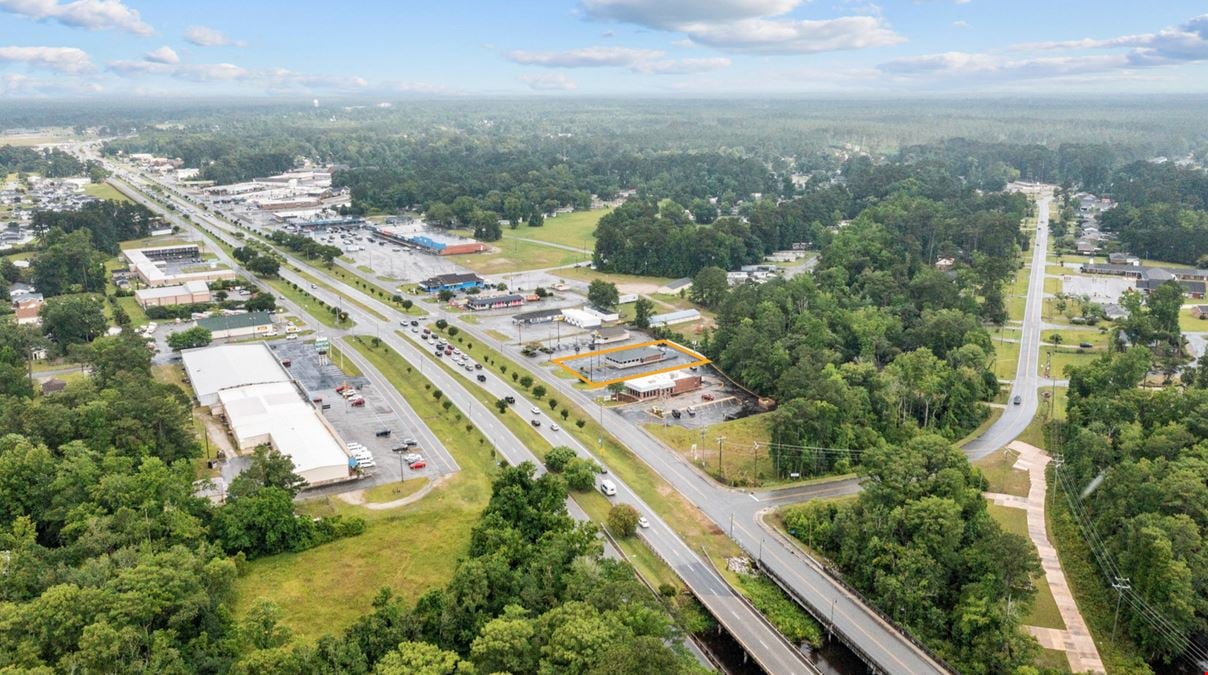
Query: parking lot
{"x":319,"y":378}
{"x":714,"y":402}
{"x":1101,"y":289}
{"x":600,"y":367}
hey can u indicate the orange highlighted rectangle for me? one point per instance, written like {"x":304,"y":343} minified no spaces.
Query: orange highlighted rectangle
{"x":562,"y":361}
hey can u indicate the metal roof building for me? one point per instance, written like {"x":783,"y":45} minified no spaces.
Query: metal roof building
{"x":213,"y":369}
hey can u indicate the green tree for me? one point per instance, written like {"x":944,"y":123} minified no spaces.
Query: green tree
{"x":190,"y":338}
{"x":709,"y":286}
{"x":580,"y":474}
{"x":261,"y":626}
{"x":75,"y":319}
{"x":264,"y":266}
{"x":602,"y":294}
{"x":558,"y":457}
{"x":643,"y":309}
{"x":623,"y":520}
{"x":420,"y":658}
{"x":506,"y":644}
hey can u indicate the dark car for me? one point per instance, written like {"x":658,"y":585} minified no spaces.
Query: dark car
{"x":510,"y":399}
{"x":535,"y":423}
{"x":414,"y":322}
{"x":1017,"y":400}
{"x":482,"y":378}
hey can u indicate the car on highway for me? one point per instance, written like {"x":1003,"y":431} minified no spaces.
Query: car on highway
{"x":482,"y":378}
{"x":535,"y":423}
{"x":535,"y":410}
{"x":554,"y":427}
{"x":510,"y":399}
{"x":643,"y":523}
{"x":1017,"y":400}
{"x":608,"y":488}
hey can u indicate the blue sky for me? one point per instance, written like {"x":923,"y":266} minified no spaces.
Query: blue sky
{"x":131,"y":48}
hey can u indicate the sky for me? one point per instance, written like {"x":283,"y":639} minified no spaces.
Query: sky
{"x":401,"y":48}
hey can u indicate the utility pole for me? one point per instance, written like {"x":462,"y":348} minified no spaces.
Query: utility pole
{"x":755,"y":458}
{"x":720,"y":439}
{"x":1121,"y":584}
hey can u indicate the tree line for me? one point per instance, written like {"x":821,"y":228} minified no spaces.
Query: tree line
{"x":112,"y":563}
{"x":1135,"y":461}
{"x":52,"y":163}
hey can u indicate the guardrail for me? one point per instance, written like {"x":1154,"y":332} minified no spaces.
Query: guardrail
{"x":836,"y":575}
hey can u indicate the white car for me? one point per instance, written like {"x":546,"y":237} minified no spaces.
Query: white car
{"x":535,"y":410}
{"x":643,"y":523}
{"x":554,"y":427}
{"x":412,"y":457}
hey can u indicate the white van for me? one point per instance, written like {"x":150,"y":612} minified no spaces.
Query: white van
{"x":608,"y":488}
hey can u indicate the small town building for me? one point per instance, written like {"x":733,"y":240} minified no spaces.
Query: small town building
{"x":604,"y":315}
{"x":538,"y":316}
{"x":479,"y":303}
{"x":451,"y":282}
{"x":674,"y":287}
{"x":673,"y":318}
{"x":580,"y":318}
{"x":1200,"y":311}
{"x":634,"y":357}
{"x":53,"y":385}
{"x":660,"y":385}
{"x":28,"y":310}
{"x":188,"y":293}
{"x":239,"y":325}
{"x":609,"y":334}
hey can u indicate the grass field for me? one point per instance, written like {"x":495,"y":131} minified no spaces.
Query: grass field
{"x":1052,"y":286}
{"x":513,"y":255}
{"x":623,"y":281}
{"x":105,"y":191}
{"x":1044,"y":611}
{"x":409,"y":549}
{"x":569,"y":229}
{"x":1074,"y":337}
{"x":736,"y":465}
{"x":1190,"y":324}
{"x":999,"y":472}
{"x":1006,"y":359}
{"x":1063,"y":357}
{"x":388,"y":492}
{"x":138,"y":317}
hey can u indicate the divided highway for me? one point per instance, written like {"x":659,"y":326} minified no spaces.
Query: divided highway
{"x":766,"y":645}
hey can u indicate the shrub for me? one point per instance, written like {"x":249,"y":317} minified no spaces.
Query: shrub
{"x":623,"y":520}
{"x":557,"y":458}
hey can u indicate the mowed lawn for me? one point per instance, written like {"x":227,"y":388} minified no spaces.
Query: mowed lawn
{"x":105,"y":191}
{"x":410,"y":549}
{"x":514,"y":255}
{"x":576,"y":229}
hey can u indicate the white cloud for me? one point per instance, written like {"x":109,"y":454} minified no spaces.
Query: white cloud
{"x":68,"y":60}
{"x":549,"y":82}
{"x":17,"y":85}
{"x":412,"y":87}
{"x":671,"y":14}
{"x":682,"y":66}
{"x":271,"y":79}
{"x":89,"y":14}
{"x":960,"y":24}
{"x":164,"y":54}
{"x":204,"y":36}
{"x":784,"y":36}
{"x":588,"y":57}
{"x":1179,"y":45}
{"x":748,"y":25}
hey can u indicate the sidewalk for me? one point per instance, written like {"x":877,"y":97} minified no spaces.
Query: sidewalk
{"x":1076,"y":640}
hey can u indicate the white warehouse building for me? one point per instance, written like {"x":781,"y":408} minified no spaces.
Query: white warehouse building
{"x":247,"y":386}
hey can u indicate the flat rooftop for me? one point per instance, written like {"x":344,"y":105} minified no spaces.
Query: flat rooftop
{"x":275,"y":412}
{"x":214,"y":369}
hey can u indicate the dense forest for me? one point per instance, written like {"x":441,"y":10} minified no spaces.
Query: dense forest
{"x":108,"y":221}
{"x":1134,"y":464}
{"x":919,"y":542}
{"x":878,"y":344}
{"x":1161,"y":211}
{"x":48,"y":163}
{"x":111,"y":563}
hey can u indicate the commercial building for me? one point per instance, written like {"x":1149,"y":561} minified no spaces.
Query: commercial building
{"x":660,"y":385}
{"x":634,"y":357}
{"x":479,"y":303}
{"x":426,"y":240}
{"x":538,"y":316}
{"x":603,"y":336}
{"x":451,"y":282}
{"x":604,"y":315}
{"x":161,"y":266}
{"x":675,"y":286}
{"x":261,"y":405}
{"x":673,"y":318}
{"x":215,"y":368}
{"x":188,"y":293}
{"x":239,"y":325}
{"x":580,"y":318}
{"x":1149,"y":278}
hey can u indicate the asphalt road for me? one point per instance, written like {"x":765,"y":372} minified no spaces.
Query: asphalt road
{"x":766,"y":645}
{"x":1016,"y":418}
